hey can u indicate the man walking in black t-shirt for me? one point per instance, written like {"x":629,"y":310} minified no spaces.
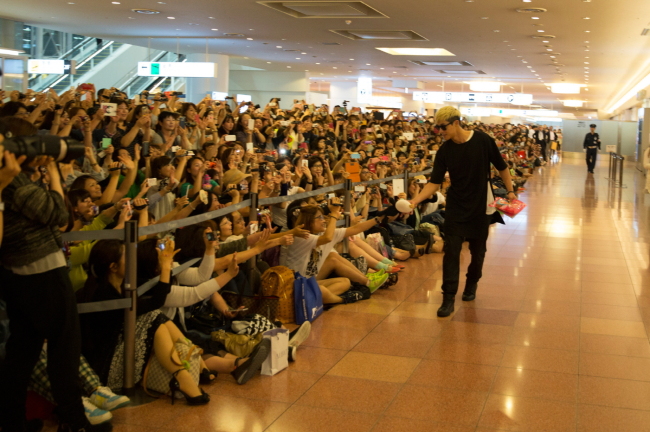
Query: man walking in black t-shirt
{"x":591,"y":146}
{"x":467,"y":156}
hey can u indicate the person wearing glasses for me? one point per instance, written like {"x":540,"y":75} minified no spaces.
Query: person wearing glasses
{"x":466,"y":156}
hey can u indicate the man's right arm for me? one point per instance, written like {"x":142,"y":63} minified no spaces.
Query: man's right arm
{"x":428,"y":190}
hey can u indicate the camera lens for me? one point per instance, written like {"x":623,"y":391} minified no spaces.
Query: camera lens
{"x":61,"y":149}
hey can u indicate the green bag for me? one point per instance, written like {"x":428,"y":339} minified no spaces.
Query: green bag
{"x":239,"y":345}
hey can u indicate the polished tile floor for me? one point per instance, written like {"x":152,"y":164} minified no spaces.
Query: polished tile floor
{"x":557,"y":339}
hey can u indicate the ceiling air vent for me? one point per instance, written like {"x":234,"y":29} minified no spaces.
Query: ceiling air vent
{"x":233,"y":35}
{"x":531,"y":10}
{"x":146,"y":11}
{"x":331,"y":43}
{"x":325,"y":9}
{"x":440,"y":63}
{"x":543,"y":36}
{"x":291,"y":50}
{"x":380,"y":35}
{"x":461,"y":72}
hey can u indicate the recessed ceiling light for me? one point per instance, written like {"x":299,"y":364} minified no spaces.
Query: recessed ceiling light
{"x":545,"y":41}
{"x":587,"y":31}
{"x":417,"y":51}
{"x":73,"y":3}
{"x":549,"y":49}
{"x":394,"y":72}
{"x":367,"y":64}
{"x":317,"y":63}
{"x":586,"y":41}
{"x":297,"y":58}
{"x":586,"y":62}
{"x":303,"y":53}
{"x":381,"y":68}
{"x":496,"y":31}
{"x":214,"y":29}
{"x":334,"y":67}
{"x":111,"y":2}
{"x":208,"y":17}
{"x":529,"y":67}
{"x":268,"y":62}
{"x":278,"y":46}
{"x":586,"y":18}
{"x":540,"y":31}
{"x":249,"y":38}
{"x":533,"y":71}
{"x":484,"y":17}
{"x":131,"y":18}
{"x":171,"y":18}
{"x":289,"y":67}
{"x":351,"y":59}
{"x":534,"y":17}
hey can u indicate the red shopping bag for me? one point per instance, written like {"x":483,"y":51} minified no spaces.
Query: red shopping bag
{"x":509,"y":208}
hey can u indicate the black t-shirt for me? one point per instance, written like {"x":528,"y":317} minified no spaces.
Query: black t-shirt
{"x":468,"y":165}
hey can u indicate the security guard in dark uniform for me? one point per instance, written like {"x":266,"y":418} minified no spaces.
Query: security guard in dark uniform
{"x":591,"y":147}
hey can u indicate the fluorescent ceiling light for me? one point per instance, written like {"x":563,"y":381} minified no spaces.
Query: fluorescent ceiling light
{"x":484,"y":86}
{"x":565,"y":88}
{"x":573,"y":103}
{"x":10,"y":51}
{"x":417,"y":51}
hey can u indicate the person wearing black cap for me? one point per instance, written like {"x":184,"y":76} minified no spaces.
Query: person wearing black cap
{"x":591,"y":147}
{"x":467,"y":156}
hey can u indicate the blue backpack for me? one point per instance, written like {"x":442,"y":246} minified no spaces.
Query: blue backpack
{"x":308,"y":299}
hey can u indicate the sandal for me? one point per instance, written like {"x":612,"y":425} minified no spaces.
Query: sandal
{"x":204,"y":377}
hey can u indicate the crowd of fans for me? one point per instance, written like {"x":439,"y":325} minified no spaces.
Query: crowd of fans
{"x":156,"y":159}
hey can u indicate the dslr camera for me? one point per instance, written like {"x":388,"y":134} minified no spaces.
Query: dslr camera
{"x":61,"y":149}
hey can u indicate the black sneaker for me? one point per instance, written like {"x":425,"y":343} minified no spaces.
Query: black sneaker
{"x":351,"y":296}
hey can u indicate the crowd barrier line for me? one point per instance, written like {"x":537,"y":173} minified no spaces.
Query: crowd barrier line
{"x":131,"y":233}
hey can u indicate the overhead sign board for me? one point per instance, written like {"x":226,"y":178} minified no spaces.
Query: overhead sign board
{"x":46,"y":66}
{"x":178,"y":69}
{"x":512,"y":98}
{"x":486,"y":112}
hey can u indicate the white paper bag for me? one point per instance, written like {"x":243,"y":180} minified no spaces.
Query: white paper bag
{"x":278,"y":358}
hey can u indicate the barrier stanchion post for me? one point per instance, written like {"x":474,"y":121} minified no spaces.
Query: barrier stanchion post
{"x":620,"y":181}
{"x":613,"y":176}
{"x":130,"y":291}
{"x":406,"y":181}
{"x":610,"y":166}
{"x":347,"y":211}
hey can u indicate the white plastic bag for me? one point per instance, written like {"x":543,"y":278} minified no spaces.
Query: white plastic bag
{"x":278,"y":358}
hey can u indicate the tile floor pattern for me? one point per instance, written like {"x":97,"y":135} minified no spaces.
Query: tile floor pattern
{"x":557,"y":339}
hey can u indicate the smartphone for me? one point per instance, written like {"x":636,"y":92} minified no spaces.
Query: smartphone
{"x":383,"y":186}
{"x":152,"y":182}
{"x":305,"y":163}
{"x":422,"y":181}
{"x":283,"y":151}
{"x":129,"y":209}
{"x":249,"y":146}
{"x":360,"y":188}
{"x":367,"y":142}
{"x":106,"y":143}
{"x":273,"y":104}
{"x":355,"y":156}
{"x":181,"y":121}
{"x":251,"y":124}
{"x":231,"y":138}
{"x":145,"y":149}
{"x":175,"y":149}
{"x":331,"y":195}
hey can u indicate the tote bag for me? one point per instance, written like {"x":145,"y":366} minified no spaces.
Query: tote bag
{"x":308,"y":299}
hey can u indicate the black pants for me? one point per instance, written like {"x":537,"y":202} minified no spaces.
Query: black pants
{"x":592,"y":154}
{"x":451,"y":262}
{"x":543,"y":150}
{"x":40,"y":307}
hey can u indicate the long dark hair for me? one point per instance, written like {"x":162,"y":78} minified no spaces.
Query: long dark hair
{"x":103,"y":254}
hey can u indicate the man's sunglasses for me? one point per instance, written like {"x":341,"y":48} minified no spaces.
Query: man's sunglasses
{"x":445,"y":126}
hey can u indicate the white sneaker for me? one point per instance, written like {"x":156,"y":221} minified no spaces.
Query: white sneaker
{"x":95,"y":415}
{"x":301,"y":335}
{"x":105,"y":399}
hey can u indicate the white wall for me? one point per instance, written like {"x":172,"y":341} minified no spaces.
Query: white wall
{"x":574,"y":131}
{"x":263,"y":86}
{"x":197,"y":88}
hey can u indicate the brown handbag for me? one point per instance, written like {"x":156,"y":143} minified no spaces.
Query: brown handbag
{"x":278,"y":282}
